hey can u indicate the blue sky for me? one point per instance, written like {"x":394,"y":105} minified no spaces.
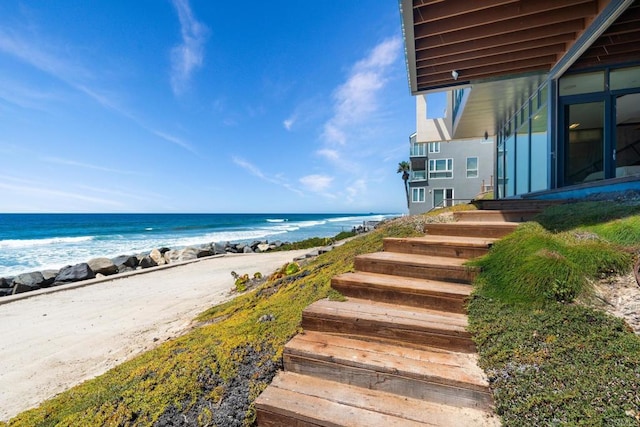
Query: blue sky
{"x":202,"y":106}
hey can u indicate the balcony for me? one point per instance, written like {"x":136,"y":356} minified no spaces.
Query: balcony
{"x":418,"y":176}
{"x":418,"y":150}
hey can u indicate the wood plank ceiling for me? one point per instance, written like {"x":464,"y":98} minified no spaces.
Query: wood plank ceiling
{"x":494,"y":38}
{"x":619,"y":43}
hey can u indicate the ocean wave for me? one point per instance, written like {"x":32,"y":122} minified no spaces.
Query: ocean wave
{"x":346,"y":219}
{"x":11,"y":243}
{"x":276,"y":219}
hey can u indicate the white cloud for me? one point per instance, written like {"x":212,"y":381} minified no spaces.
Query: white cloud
{"x":68,"y":162}
{"x":357,"y":99}
{"x":288,"y":123}
{"x":254,"y":170}
{"x":188,"y":55}
{"x":39,"y":189}
{"x":355,"y":190}
{"x":332,"y":155}
{"x":316,"y":183}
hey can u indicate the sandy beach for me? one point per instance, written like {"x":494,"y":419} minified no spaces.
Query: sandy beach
{"x":54,"y":340}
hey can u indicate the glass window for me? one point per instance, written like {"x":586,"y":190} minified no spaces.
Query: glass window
{"x":539,"y":157}
{"x":582,"y":83}
{"x":417,"y":195}
{"x":522,"y":159}
{"x":418,"y":175}
{"x":418,"y":150}
{"x":434,"y":147}
{"x":472,"y":167}
{"x":584,"y":146}
{"x":442,"y":197}
{"x":627,"y":146}
{"x":440,"y":168}
{"x":624,"y":78}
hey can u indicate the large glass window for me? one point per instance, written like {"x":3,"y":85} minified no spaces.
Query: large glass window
{"x":434,"y":147}
{"x":539,"y":156}
{"x":523,"y":158}
{"x":510,"y":165}
{"x":440,"y":168}
{"x":624,"y":78}
{"x":627,"y":154}
{"x":584,"y":142}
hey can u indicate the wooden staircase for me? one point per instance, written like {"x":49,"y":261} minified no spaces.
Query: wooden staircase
{"x":396,"y":352}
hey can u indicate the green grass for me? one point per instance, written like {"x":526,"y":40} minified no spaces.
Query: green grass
{"x":193,"y":373}
{"x":549,"y":361}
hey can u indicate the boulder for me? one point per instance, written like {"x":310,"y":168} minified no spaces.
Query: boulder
{"x":75,"y":273}
{"x":102,"y":266}
{"x":147,"y":262}
{"x":189,"y":253}
{"x":247,"y":250}
{"x":125,"y":260}
{"x":172,"y":256}
{"x":158,"y":257}
{"x":49,"y":277}
{"x":6,"y":282}
{"x":4,"y":292}
{"x":262,"y":247}
{"x":219,"y":248}
{"x":277,"y":243}
{"x":32,"y":280}
{"x":125,"y":269}
{"x":164,"y":249}
{"x":204,"y":252}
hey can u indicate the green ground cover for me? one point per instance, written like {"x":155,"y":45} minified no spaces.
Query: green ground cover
{"x":551,"y":359}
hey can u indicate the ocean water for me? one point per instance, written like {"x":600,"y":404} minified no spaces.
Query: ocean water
{"x":32,"y":242}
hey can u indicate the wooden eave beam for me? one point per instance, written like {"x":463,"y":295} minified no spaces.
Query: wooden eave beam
{"x":565,"y":31}
{"x":525,"y":13}
{"x":445,"y":10}
{"x":535,"y":23}
{"x":605,"y":60}
{"x":504,"y":56}
{"x":445,"y":80}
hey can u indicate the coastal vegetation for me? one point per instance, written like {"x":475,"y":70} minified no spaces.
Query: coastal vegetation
{"x":551,"y":358}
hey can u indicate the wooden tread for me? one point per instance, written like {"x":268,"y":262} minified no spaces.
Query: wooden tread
{"x":435,"y":375}
{"x":375,"y":321}
{"x":295,"y":400}
{"x":511,"y":215}
{"x":419,"y":266}
{"x":445,"y":246}
{"x":493,"y":229}
{"x":432,"y":294}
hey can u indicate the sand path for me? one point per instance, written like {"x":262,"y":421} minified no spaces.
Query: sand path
{"x":53,"y":341}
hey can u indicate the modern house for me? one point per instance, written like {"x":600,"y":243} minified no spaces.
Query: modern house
{"x":445,"y":172}
{"x":556,"y":83}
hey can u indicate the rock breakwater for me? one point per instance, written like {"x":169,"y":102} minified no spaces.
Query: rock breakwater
{"x":104,"y":266}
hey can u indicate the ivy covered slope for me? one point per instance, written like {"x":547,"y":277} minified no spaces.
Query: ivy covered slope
{"x":211,"y":375}
{"x":550,"y":358}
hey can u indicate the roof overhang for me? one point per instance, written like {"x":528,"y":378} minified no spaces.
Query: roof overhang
{"x":449,"y":44}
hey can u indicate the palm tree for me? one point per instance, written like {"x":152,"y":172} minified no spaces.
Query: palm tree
{"x":405,"y":167}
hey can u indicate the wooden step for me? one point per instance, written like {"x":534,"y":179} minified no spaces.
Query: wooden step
{"x":419,"y":266}
{"x":494,"y":230}
{"x":445,"y":246}
{"x":294,"y":400}
{"x":511,"y":215}
{"x":500,"y":204}
{"x":400,"y":325}
{"x":438,"y":376}
{"x":432,"y":294}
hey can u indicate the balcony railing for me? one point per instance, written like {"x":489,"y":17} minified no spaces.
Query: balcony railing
{"x":418,"y":150}
{"x":418,"y":176}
